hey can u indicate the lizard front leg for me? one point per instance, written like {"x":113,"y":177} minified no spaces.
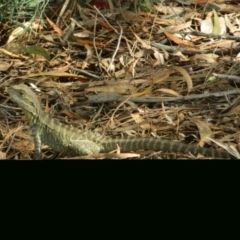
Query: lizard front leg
{"x":37,"y":142}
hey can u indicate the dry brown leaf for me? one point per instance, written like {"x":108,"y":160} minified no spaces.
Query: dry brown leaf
{"x":25,"y":146}
{"x":179,"y":119}
{"x":55,"y":27}
{"x":179,"y":41}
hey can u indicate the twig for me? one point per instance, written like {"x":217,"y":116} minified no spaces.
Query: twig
{"x":85,"y":72}
{"x":111,"y":118}
{"x":189,"y":97}
{"x":228,"y":77}
{"x":62,"y":11}
{"x":209,"y":35}
{"x":117,"y":48}
{"x":173,"y":49}
{"x":169,"y":99}
{"x":114,"y":29}
{"x":94,"y":43}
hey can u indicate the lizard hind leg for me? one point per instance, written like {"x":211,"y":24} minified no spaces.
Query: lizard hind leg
{"x":84,"y":147}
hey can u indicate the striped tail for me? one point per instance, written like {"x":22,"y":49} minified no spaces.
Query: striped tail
{"x":133,"y":144}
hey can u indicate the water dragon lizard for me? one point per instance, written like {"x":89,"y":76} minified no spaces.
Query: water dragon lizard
{"x":74,"y":142}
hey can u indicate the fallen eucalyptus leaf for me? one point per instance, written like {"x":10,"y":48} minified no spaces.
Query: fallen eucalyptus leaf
{"x":35,"y":50}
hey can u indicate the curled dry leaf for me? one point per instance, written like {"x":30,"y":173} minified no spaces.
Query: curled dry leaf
{"x":186,"y":76}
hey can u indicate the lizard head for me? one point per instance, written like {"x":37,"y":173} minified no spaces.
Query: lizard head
{"x":26,"y":99}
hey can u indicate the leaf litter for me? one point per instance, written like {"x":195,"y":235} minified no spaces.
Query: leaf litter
{"x":167,"y":72}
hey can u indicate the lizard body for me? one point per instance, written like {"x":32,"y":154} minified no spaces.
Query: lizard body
{"x":74,"y":142}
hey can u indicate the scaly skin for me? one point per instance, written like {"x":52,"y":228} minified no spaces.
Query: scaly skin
{"x":74,"y":142}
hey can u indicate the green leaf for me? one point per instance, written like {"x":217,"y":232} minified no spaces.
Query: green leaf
{"x":216,"y":24}
{"x":35,"y":50}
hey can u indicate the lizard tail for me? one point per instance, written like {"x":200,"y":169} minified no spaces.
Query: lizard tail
{"x":133,"y":144}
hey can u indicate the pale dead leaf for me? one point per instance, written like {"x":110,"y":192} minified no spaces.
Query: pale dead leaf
{"x":106,"y":64}
{"x":2,"y":155}
{"x":143,"y":53}
{"x":22,"y":30}
{"x":231,"y":149}
{"x":113,"y":156}
{"x":182,"y":57}
{"x":159,"y":58}
{"x":127,"y":16}
{"x":144,"y":43}
{"x":231,"y":27}
{"x":186,"y":76}
{"x":138,"y":119}
{"x":207,"y":26}
{"x":168,"y":10}
{"x":235,"y":110}
{"x":123,"y":88}
{"x":168,"y":118}
{"x":4,"y":66}
{"x":84,"y":64}
{"x":12,"y":54}
{"x":219,"y":44}
{"x":168,"y":91}
{"x":121,"y":73}
{"x":48,"y":38}
{"x":83,"y":34}
{"x":204,"y":130}
{"x":180,"y":118}
{"x":90,"y":52}
{"x":55,"y":73}
{"x":208,"y":57}
{"x":180,"y":27}
{"x":146,"y":91}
